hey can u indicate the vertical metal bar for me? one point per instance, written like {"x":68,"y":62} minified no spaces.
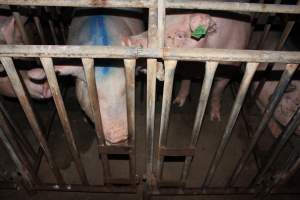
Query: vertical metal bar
{"x":210,"y":69}
{"x":63,"y":116}
{"x":151,"y":92}
{"x":52,"y":30}
{"x":290,"y":129}
{"x":89,"y":71}
{"x":130,"y":65}
{"x":25,"y":103}
{"x":21,"y":27}
{"x":22,"y":164}
{"x":19,"y":135}
{"x":170,"y":66}
{"x":278,"y":93}
{"x":39,"y":29}
{"x":249,"y":73}
{"x":161,"y":16}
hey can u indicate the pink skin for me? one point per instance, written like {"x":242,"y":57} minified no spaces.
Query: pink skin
{"x":10,"y":34}
{"x":222,"y":33}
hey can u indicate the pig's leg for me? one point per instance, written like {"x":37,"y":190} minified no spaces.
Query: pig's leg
{"x":184,"y":91}
{"x":215,"y":104}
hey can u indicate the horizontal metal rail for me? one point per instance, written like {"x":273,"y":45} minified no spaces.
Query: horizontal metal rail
{"x":199,"y":54}
{"x":203,"y":5}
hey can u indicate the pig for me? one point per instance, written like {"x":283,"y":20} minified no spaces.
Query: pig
{"x":10,"y":34}
{"x":290,"y":100}
{"x":223,"y":31}
{"x":106,"y":27}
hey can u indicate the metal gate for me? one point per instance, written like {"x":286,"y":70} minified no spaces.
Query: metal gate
{"x":154,"y":184}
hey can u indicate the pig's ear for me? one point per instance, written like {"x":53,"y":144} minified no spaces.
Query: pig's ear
{"x":136,"y":40}
{"x":204,"y":20}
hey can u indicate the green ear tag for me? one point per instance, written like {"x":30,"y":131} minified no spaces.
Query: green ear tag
{"x":199,"y":32}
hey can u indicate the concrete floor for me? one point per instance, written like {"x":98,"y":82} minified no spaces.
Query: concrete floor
{"x":181,"y":121}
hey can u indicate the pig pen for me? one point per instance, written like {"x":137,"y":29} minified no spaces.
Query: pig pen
{"x":219,"y":161}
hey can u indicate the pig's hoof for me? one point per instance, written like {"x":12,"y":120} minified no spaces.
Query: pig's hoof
{"x":179,"y":101}
{"x":215,"y":116}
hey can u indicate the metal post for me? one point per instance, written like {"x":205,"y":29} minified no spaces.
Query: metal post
{"x":170,"y":66}
{"x":130,"y":100}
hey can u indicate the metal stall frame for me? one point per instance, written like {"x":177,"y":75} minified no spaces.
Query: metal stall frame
{"x":154,"y":184}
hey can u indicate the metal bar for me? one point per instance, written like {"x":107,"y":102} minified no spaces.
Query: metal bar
{"x":151,"y":92}
{"x":282,"y":85}
{"x":170,"y":67}
{"x":198,"y":54}
{"x":82,"y":3}
{"x":203,"y":5}
{"x":176,"y":151}
{"x":21,"y":27}
{"x":91,"y":188}
{"x":130,"y":101}
{"x":21,"y":138}
{"x":285,"y":136}
{"x":233,"y":6}
{"x":249,"y":73}
{"x":26,"y":106}
{"x":63,"y":116}
{"x":22,"y":164}
{"x":116,"y":149}
{"x":53,"y":33}
{"x":39,"y":29}
{"x":88,"y":65}
{"x":210,"y":69}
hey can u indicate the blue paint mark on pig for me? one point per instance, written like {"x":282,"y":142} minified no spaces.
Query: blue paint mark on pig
{"x":99,"y":36}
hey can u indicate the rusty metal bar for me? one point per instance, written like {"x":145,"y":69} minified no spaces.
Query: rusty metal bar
{"x":285,"y":136}
{"x":22,"y":164}
{"x":130,"y":101}
{"x":39,"y":28}
{"x":282,"y":85}
{"x":88,"y":65}
{"x":233,"y":6}
{"x":82,"y":3}
{"x":26,"y":106}
{"x":170,"y":67}
{"x":249,"y":73}
{"x":20,"y":25}
{"x":210,"y":69}
{"x":151,"y":92}
{"x":198,"y":54}
{"x":62,"y":113}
